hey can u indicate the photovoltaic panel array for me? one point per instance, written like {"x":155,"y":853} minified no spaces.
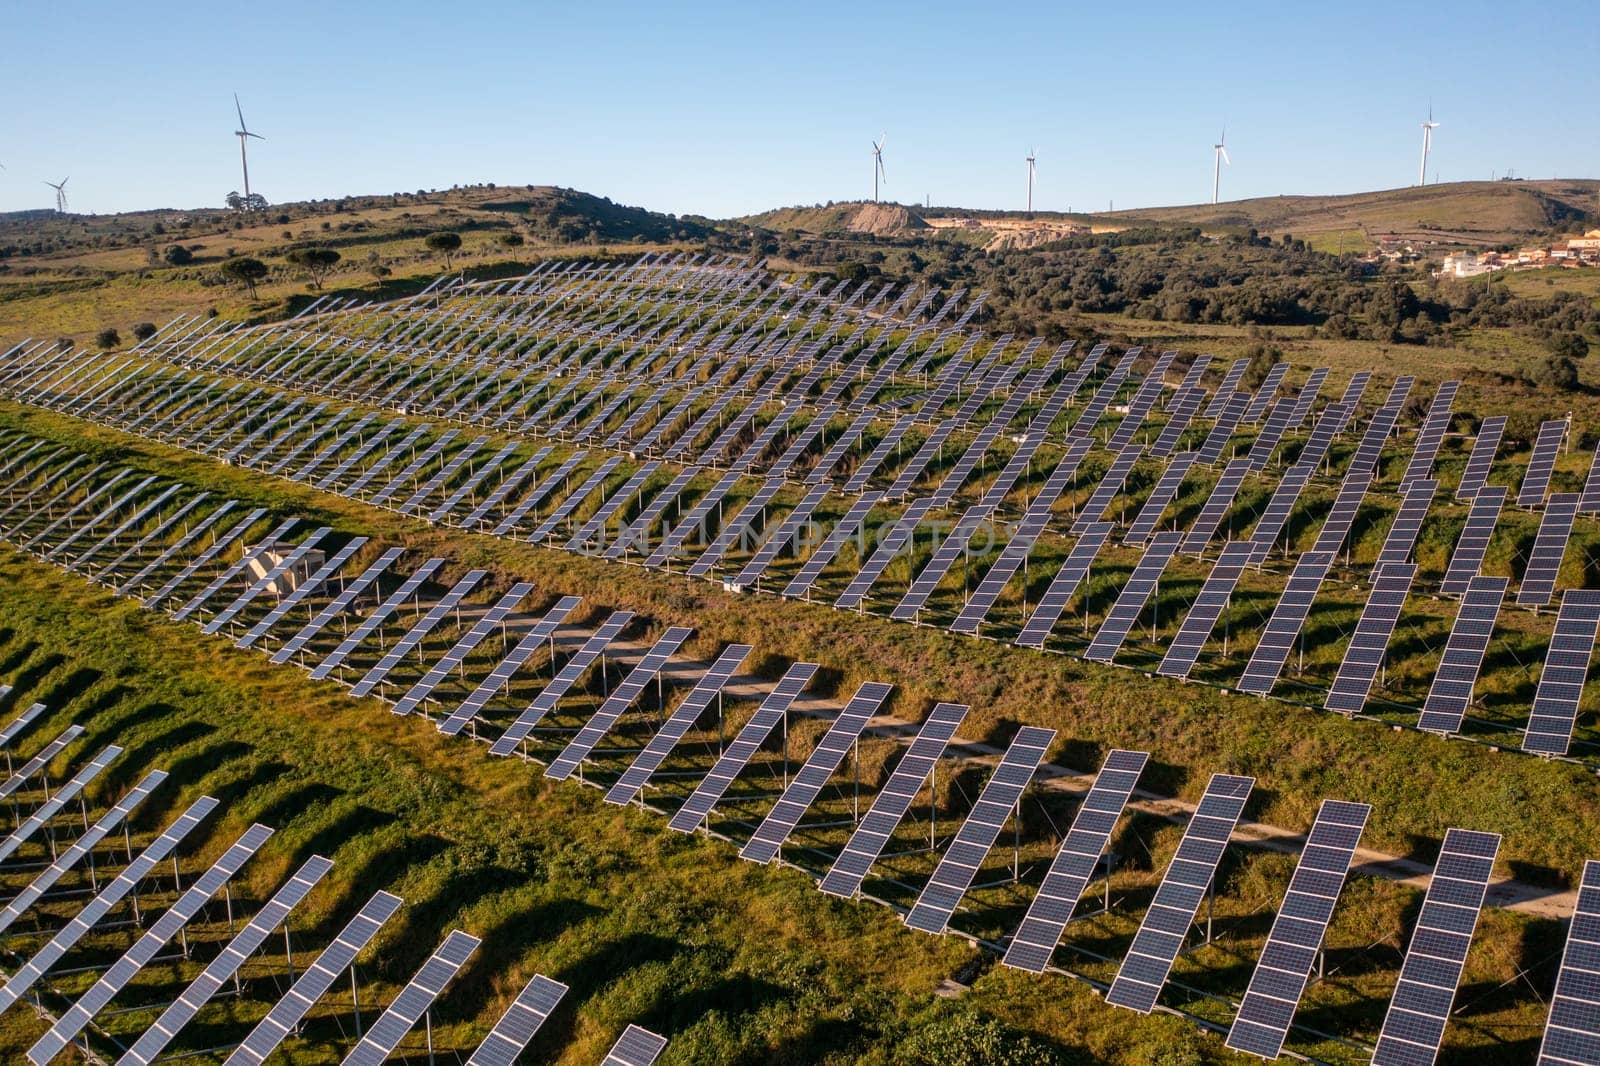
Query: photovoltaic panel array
{"x":414,"y":999}
{"x":1364,"y":657}
{"x":1131,"y":600}
{"x":414,"y":636}
{"x":1566,"y":664}
{"x":1481,"y":459}
{"x":1549,"y":547}
{"x":57,"y":800}
{"x":337,"y":606}
{"x":1431,"y":435}
{"x":751,"y":736}
{"x":113,"y":980}
{"x":1184,"y":651}
{"x":286,"y":1014}
{"x":272,"y":913}
{"x":39,"y":761}
{"x":1546,"y":447}
{"x":963,"y":858}
{"x":370,"y":624}
{"x":1053,"y":604}
{"x":486,"y":624}
{"x":314,"y":583}
{"x":1572,"y":1030}
{"x":1075,"y":863}
{"x":679,"y":722}
{"x":621,"y":698}
{"x":1155,"y":504}
{"x":520,"y":1023}
{"x":1402,"y":535}
{"x":1473,"y":544}
{"x":17,"y":725}
{"x":1453,"y":682}
{"x":767,"y":841}
{"x":866,"y":844}
{"x":1420,"y":1007}
{"x":1143,"y":973}
{"x":635,"y":1047}
{"x":1298,"y":929}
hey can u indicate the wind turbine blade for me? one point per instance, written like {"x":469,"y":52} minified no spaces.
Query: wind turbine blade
{"x":1225,"y":158}
{"x":257,"y":136}
{"x":240,"y":111}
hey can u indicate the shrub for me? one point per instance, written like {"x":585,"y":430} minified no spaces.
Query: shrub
{"x":108,"y":338}
{"x":144,"y":331}
{"x":177,"y":255}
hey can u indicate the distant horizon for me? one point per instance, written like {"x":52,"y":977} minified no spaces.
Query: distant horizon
{"x":807,"y":205}
{"x":722,"y":109}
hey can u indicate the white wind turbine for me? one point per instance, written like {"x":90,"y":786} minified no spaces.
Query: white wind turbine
{"x":1032,"y":158}
{"x":244,"y":135}
{"x":61,"y":194}
{"x":1219,"y":156}
{"x":1427,"y":143}
{"x":877,"y":165}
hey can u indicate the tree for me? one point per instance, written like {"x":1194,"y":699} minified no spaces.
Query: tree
{"x":511,"y":240}
{"x":443,"y":243}
{"x":246,"y":272}
{"x":255,"y":202}
{"x":144,"y":331}
{"x":177,"y":255}
{"x":1568,"y":345}
{"x":108,"y":338}
{"x":1557,"y":372}
{"x":234,"y":201}
{"x":316,"y":262}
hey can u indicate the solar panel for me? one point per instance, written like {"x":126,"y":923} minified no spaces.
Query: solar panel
{"x":1011,"y":559}
{"x":383,"y":462}
{"x":370,"y":624}
{"x":964,"y":857}
{"x":195,"y":532}
{"x":1549,"y":546}
{"x":1363,"y":658}
{"x":1298,"y":930}
{"x":1144,"y":400}
{"x":890,"y":545}
{"x":338,"y":605}
{"x":1264,"y":395}
{"x":1144,"y":971}
{"x":1116,"y":476}
{"x":767,"y":842}
{"x":1214,"y":597}
{"x":15,"y":727}
{"x":62,"y":796}
{"x":1179,"y":414}
{"x":692,"y":521}
{"x":1279,"y":507}
{"x":1572,"y":1030}
{"x":590,"y":533}
{"x":1075,"y":863}
{"x":1457,"y":675}
{"x":232,"y":571}
{"x":320,"y":577}
{"x":94,"y":523}
{"x":1155,"y":505}
{"x":761,"y":724}
{"x":1566,"y":664}
{"x":1118,"y":623}
{"x":569,"y":675}
{"x":486,"y":624}
{"x":273,"y":573}
{"x":286,"y":1014}
{"x":1222,"y":429}
{"x":86,"y":842}
{"x":1536,"y":482}
{"x":109,"y":896}
{"x":1370,"y":450}
{"x":414,"y":999}
{"x":537,"y":495}
{"x":408,"y":473}
{"x":1420,"y":1008}
{"x":875,"y":458}
{"x":1101,"y":400}
{"x":507,"y":486}
{"x":182,"y":1011}
{"x":217,"y":547}
{"x":636,"y":535}
{"x":944,"y":557}
{"x":621,"y":698}
{"x":1217,"y":505}
{"x":825,"y":552}
{"x":113,"y":980}
{"x":1431,"y":435}
{"x":40,"y":760}
{"x":574,"y":500}
{"x":1402,"y":535}
{"x":780,"y":539}
{"x":873,"y":833}
{"x":734,"y":528}
{"x":1473,"y":544}
{"x":682,"y":719}
{"x":1074,"y":571}
{"x":635,"y":1047}
{"x":520,"y":1023}
{"x":414,"y":636}
{"x":446,"y":471}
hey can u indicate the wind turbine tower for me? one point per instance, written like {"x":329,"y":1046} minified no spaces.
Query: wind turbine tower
{"x":1032,"y":158}
{"x":1427,"y":143}
{"x":244,"y":135}
{"x":877,"y":165}
{"x":1219,"y":156}
{"x":61,"y":194}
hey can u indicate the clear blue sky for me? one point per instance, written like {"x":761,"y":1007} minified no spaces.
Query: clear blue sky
{"x":723,"y":109}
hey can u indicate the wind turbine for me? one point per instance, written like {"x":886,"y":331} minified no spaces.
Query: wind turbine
{"x":1032,"y":158}
{"x":1427,"y":143}
{"x":61,"y":194}
{"x":244,"y":135}
{"x":1219,"y":156}
{"x":877,"y":165}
